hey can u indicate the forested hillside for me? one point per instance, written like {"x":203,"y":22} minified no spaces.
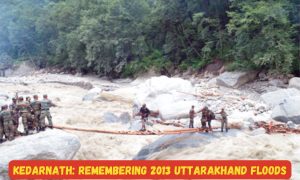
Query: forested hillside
{"x":124,"y":37}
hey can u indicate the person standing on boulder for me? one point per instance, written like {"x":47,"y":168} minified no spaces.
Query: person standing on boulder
{"x":144,"y":113}
{"x":7,"y":120}
{"x":192,"y":116}
{"x":45,"y":112}
{"x":36,"y":106}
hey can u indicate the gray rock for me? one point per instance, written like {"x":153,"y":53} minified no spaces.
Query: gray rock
{"x":277,"y":83}
{"x":288,"y":110}
{"x":179,"y":142}
{"x":235,"y":79}
{"x":276,"y":97}
{"x":263,"y":76}
{"x":291,"y":125}
{"x":110,"y":117}
{"x":50,"y":144}
{"x":92,"y":94}
{"x":295,"y":83}
{"x":212,"y":82}
{"x":125,"y":117}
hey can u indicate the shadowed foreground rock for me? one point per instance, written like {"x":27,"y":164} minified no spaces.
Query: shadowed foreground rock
{"x":179,"y":142}
{"x":51,"y":144}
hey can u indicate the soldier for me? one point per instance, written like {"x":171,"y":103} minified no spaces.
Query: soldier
{"x":210,"y":117}
{"x":7,"y":119}
{"x":30,"y":121}
{"x":144,"y":113}
{"x":36,"y":107}
{"x":45,"y":112}
{"x":224,"y":121}
{"x":204,"y":117}
{"x":15,"y":115}
{"x":24,"y":108}
{"x":192,"y":116}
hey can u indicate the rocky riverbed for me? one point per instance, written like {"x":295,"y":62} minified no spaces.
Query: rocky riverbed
{"x":90,"y":102}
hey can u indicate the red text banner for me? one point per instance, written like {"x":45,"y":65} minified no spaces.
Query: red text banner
{"x":216,"y":169}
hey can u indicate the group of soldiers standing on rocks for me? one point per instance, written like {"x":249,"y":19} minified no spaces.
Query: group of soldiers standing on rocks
{"x":33,"y":115}
{"x":206,"y":118}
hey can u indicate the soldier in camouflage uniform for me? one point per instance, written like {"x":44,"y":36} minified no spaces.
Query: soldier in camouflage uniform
{"x":30,"y":120}
{"x":45,"y":112}
{"x":15,"y":115}
{"x":8,"y":126}
{"x":224,"y":120}
{"x":24,"y":109}
{"x":204,"y":117}
{"x":36,"y":107}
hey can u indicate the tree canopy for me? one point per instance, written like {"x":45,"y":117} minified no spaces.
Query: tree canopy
{"x":125,"y":37}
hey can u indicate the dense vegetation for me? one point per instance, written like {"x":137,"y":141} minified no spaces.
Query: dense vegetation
{"x":124,"y":37}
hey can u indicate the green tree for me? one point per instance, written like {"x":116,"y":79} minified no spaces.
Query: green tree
{"x":263,"y":34}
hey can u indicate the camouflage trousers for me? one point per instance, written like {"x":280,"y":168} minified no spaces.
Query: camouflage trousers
{"x":224,"y":124}
{"x":25,"y":116}
{"x":9,"y":129}
{"x":44,"y":114}
{"x":37,"y":116}
{"x":16,"y":123}
{"x":191,"y":125}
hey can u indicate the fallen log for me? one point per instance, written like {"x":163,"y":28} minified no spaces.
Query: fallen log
{"x":179,"y":131}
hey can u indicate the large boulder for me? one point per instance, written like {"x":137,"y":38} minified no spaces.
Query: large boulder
{"x":295,"y":83}
{"x":288,"y":110}
{"x":170,"y":96}
{"x":110,"y":117}
{"x":276,"y":97}
{"x":235,"y":79}
{"x":50,"y":144}
{"x":91,"y":94}
{"x":177,"y":143}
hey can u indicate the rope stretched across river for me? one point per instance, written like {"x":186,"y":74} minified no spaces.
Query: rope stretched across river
{"x":274,"y":129}
{"x":166,"y":132}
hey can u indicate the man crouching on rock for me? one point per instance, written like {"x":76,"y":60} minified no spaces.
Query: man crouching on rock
{"x":144,"y":113}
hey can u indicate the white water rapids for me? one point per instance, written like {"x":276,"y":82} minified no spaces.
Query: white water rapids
{"x":72,"y":111}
